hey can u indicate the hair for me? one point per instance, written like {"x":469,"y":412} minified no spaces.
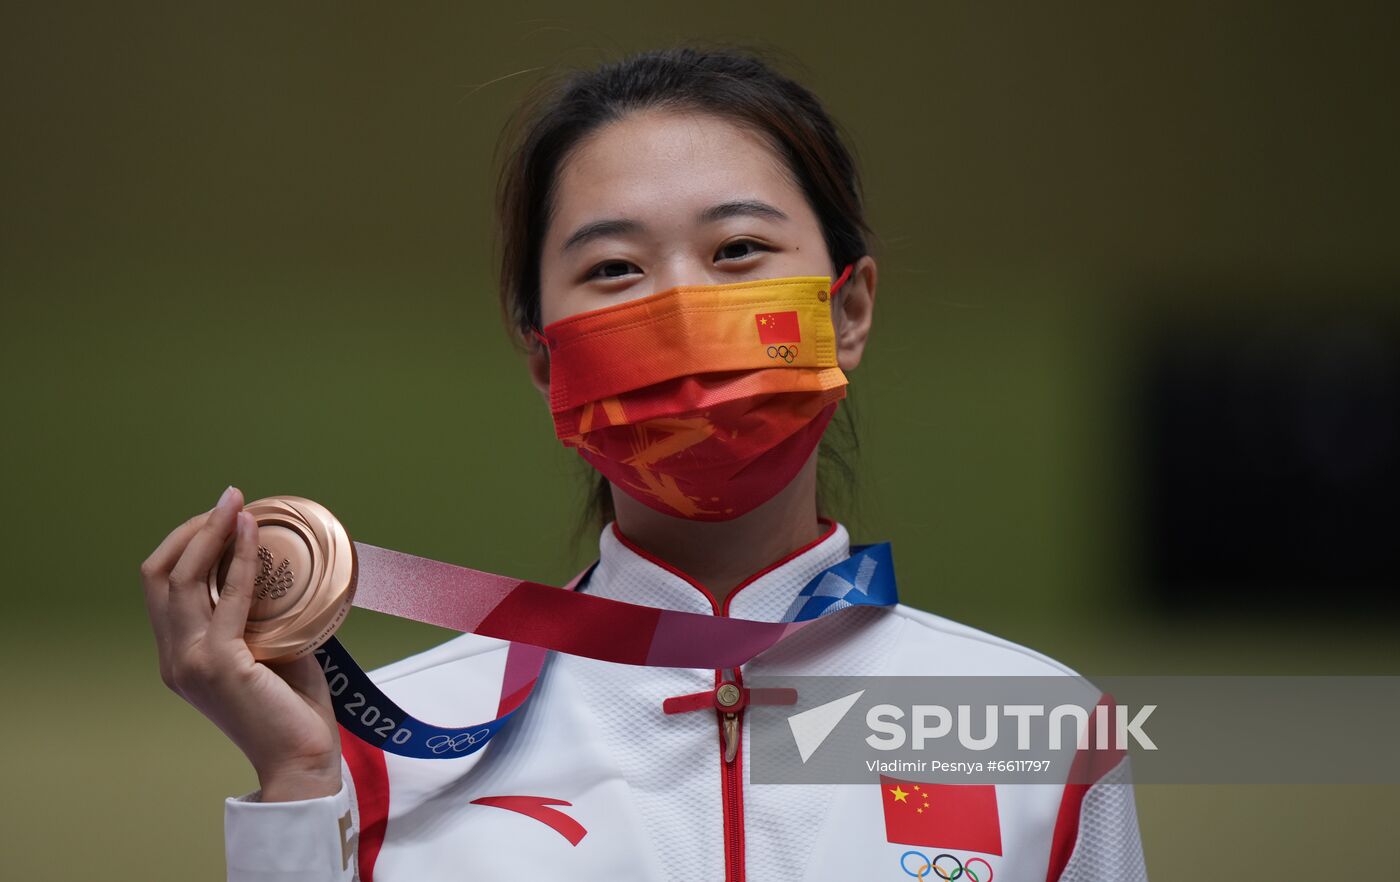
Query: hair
{"x":733,"y":84}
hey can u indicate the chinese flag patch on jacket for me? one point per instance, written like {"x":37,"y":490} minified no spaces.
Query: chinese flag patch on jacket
{"x":958,"y":816}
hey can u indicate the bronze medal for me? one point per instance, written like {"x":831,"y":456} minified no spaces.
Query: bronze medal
{"x":305,"y":579}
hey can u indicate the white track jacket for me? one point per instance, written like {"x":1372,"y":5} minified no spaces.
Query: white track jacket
{"x":592,"y":781}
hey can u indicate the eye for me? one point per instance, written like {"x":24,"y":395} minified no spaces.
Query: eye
{"x":612,"y":269}
{"x":739,"y":249}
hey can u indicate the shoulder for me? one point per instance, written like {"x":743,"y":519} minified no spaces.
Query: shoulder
{"x":930,"y":643}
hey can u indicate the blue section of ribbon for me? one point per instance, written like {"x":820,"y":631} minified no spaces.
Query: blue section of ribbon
{"x":370,"y":715}
{"x":866,"y":578}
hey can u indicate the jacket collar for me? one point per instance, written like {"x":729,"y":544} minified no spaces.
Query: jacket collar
{"x":627,"y":572}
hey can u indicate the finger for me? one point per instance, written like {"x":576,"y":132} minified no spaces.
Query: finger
{"x":231,"y":613}
{"x":308,"y":680}
{"x":155,"y":573}
{"x":159,"y":563}
{"x":304,"y":675}
{"x":189,"y":609}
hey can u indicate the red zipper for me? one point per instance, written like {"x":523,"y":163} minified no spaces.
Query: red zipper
{"x":732,"y":787}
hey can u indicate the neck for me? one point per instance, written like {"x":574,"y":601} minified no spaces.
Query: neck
{"x":721,"y":554}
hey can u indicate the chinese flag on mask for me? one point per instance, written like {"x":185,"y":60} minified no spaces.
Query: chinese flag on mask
{"x":777,"y":327}
{"x":957,"y":816}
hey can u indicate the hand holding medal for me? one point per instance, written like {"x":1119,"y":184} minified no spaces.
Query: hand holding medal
{"x":279,"y":716}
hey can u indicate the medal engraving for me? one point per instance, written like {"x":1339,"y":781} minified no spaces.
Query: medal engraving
{"x":269,"y":583}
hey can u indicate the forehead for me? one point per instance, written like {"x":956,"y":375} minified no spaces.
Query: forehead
{"x":657,"y":165}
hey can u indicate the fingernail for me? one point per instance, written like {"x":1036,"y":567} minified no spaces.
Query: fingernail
{"x":228,"y":495}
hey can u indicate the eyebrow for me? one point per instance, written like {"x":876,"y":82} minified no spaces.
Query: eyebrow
{"x":625,"y":226}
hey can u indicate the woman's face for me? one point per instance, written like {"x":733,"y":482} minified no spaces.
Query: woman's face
{"x":664,"y":198}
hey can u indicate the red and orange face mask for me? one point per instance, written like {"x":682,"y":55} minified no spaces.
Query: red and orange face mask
{"x":699,"y":401}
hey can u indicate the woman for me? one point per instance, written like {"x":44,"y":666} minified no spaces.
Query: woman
{"x":658,"y":177}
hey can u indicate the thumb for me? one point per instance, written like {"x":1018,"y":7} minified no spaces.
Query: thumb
{"x":236,"y":594}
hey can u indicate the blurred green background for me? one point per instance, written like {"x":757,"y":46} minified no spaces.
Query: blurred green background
{"x":251,"y":244}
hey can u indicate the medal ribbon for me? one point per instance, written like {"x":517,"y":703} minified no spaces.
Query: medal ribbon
{"x":536,"y":618}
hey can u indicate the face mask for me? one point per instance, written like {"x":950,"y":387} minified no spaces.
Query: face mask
{"x":701,"y":402}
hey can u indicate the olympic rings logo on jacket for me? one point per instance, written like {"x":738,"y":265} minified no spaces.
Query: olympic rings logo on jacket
{"x":939,"y":868}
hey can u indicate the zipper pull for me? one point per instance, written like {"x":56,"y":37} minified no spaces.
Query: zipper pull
{"x":729,"y":695}
{"x":731,"y":736}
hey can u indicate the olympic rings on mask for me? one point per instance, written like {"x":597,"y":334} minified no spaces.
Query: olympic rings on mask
{"x":786,"y":353}
{"x":931,"y":869}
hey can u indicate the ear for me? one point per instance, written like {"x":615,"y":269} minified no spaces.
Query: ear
{"x":537,"y":362}
{"x":852,"y":309}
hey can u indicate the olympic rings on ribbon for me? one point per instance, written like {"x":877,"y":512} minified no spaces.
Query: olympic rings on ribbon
{"x":457,"y":743}
{"x":786,"y":353}
{"x":933,"y":867}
